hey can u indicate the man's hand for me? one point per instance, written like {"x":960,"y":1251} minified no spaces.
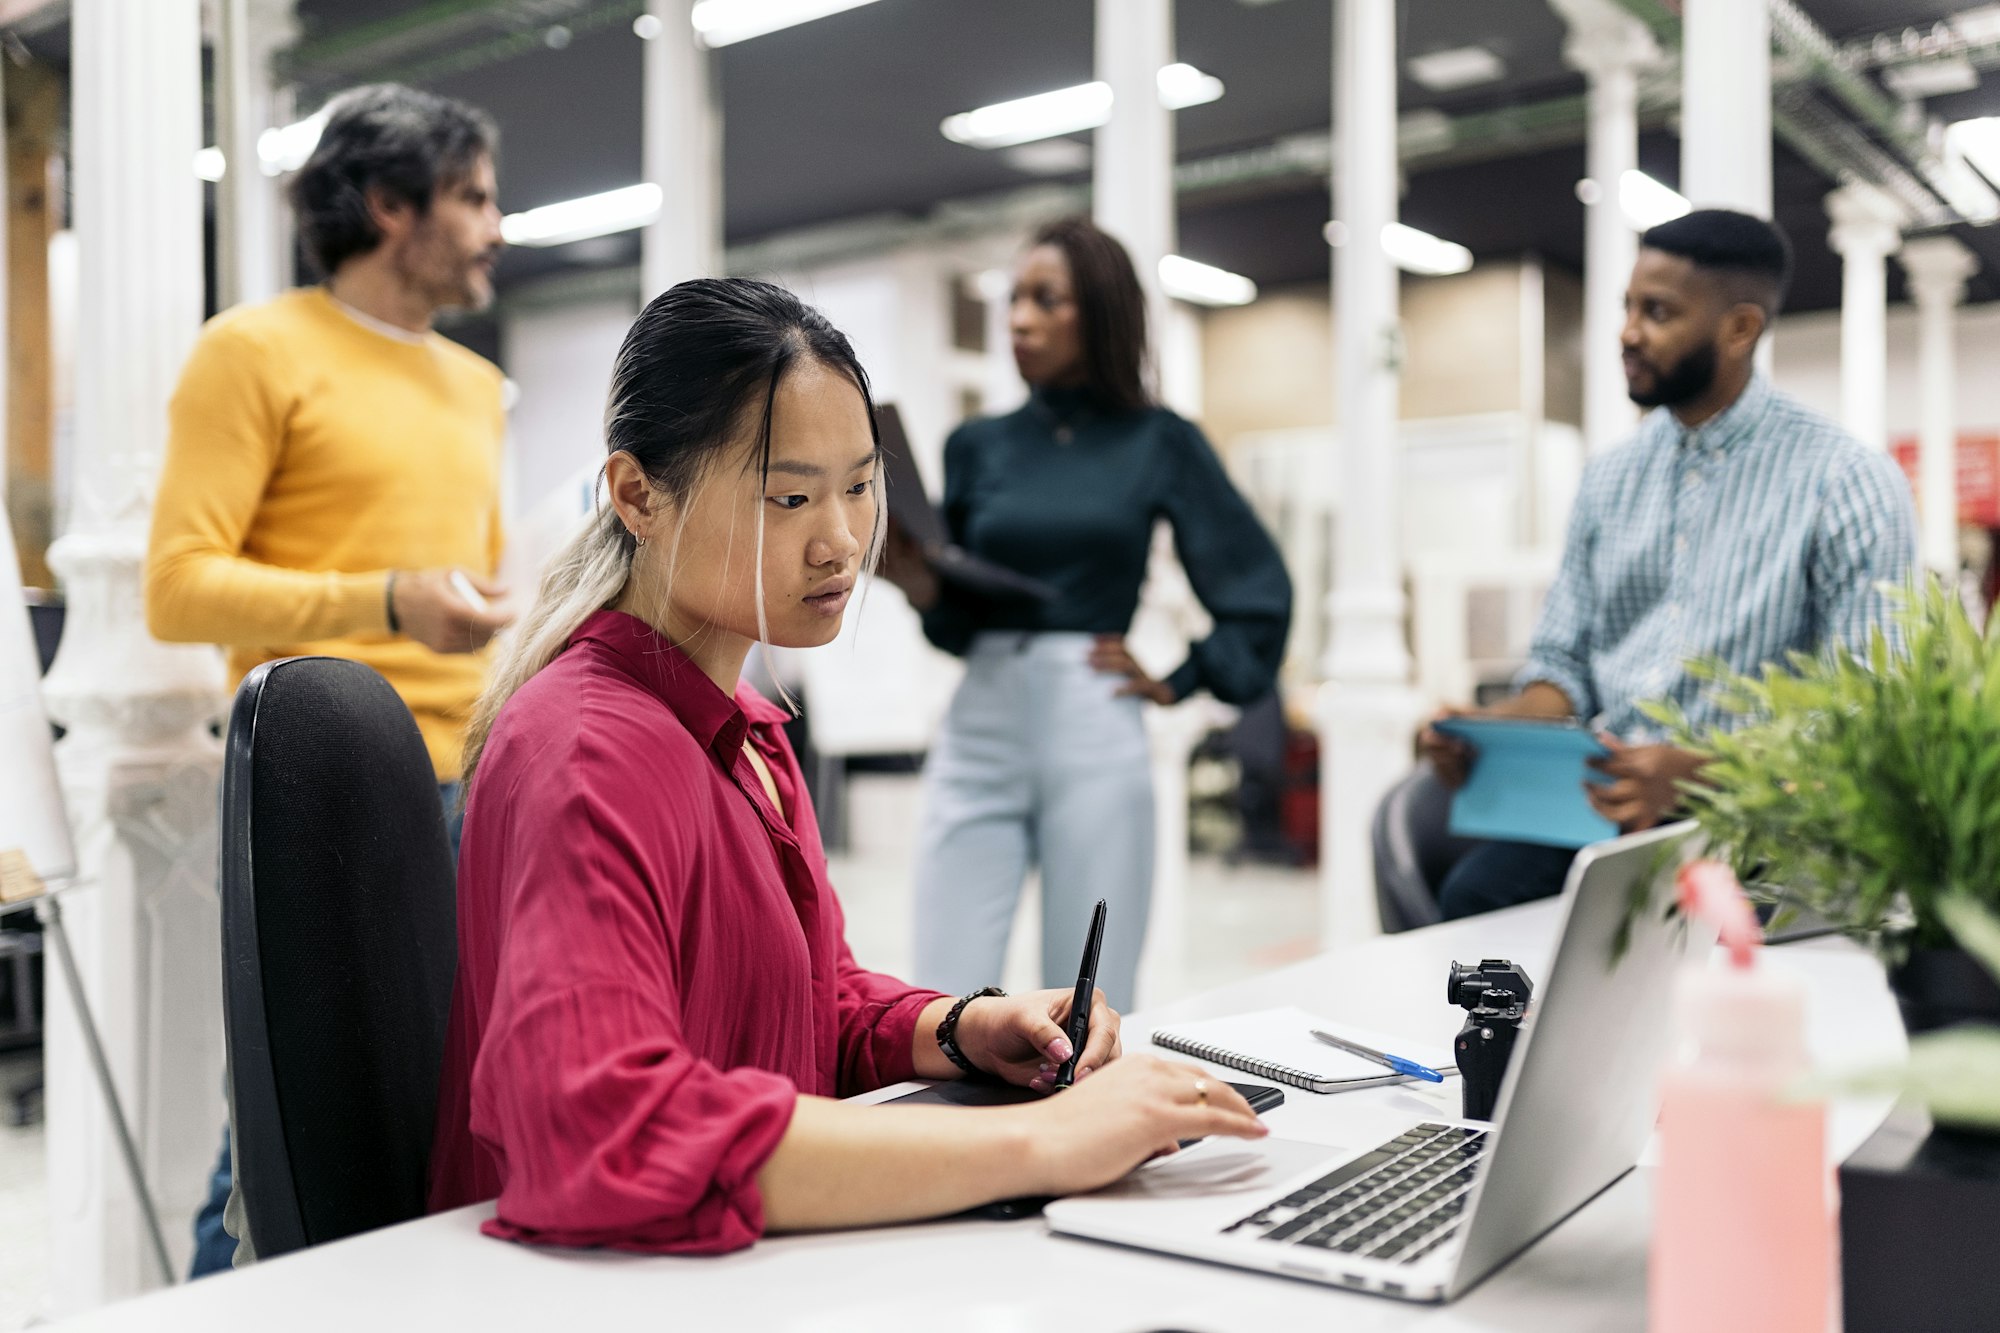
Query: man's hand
{"x":1450,"y":758}
{"x":1110,"y":655}
{"x":430,"y":611}
{"x":1646,"y":782}
{"x":1453,"y":759}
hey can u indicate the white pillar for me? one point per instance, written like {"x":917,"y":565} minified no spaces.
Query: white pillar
{"x":1367,"y":708}
{"x":1867,"y":228}
{"x":1132,"y":180}
{"x":1726,"y":105}
{"x":682,"y":150}
{"x":138,"y":766}
{"x":252,"y":233}
{"x":1132,"y":198}
{"x":1937,"y":267}
{"x":1611,"y":48}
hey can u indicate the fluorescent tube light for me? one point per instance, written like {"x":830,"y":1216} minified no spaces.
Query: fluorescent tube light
{"x":580,"y":219}
{"x":287,"y":148}
{"x":1204,"y":284}
{"x":1646,"y":203}
{"x":1183,"y":86}
{"x":1026,"y":119}
{"x":1976,"y":142}
{"x":723,"y":22}
{"x":1070,"y":110}
{"x":1420,"y":252}
{"x":279,"y":150}
{"x":1460,"y":67}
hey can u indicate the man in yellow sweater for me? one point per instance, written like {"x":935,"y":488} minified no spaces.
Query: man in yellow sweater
{"x":333,"y":462}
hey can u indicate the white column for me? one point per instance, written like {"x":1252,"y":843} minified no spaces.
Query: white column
{"x":1611,"y":48}
{"x":682,"y":150}
{"x":138,"y":766}
{"x":1367,"y":708}
{"x":1132,"y":181}
{"x":1132,"y":198}
{"x":1937,"y":267}
{"x":1867,"y":228}
{"x":252,"y":240}
{"x":1726,"y":105}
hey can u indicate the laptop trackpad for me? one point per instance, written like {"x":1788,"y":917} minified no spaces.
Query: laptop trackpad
{"x":1217,"y":1180}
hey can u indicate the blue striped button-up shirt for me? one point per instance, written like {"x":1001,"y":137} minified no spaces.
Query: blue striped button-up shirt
{"x":1765,"y":530}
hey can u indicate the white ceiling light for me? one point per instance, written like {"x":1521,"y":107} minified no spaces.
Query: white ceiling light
{"x":1931,"y":78}
{"x":647,"y":27}
{"x":581,"y":219}
{"x":1460,"y":67}
{"x":1048,"y":157}
{"x":1182,"y":86}
{"x":1204,"y":284}
{"x":1411,"y":250}
{"x":1420,"y":252}
{"x":287,"y":148}
{"x":278,"y":150}
{"x":722,"y":22}
{"x":1646,"y":203}
{"x":1069,"y":110}
{"x":1976,"y":142}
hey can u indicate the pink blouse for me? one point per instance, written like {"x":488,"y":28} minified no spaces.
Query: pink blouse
{"x":651,"y":962}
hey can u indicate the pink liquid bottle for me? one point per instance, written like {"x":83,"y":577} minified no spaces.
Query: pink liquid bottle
{"x":1743,"y":1231}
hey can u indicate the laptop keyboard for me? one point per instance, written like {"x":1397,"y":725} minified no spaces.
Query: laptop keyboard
{"x":1397,"y":1203}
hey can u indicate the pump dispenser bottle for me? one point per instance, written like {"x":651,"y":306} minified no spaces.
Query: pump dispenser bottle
{"x":1743,"y":1235}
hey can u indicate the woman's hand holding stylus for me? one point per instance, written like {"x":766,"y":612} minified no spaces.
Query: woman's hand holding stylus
{"x":1023,"y":1038}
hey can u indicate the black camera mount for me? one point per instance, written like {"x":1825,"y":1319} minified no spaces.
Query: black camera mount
{"x":1495,"y":995}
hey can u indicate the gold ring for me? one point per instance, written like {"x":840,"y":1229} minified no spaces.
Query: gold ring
{"x":1201,"y":1090}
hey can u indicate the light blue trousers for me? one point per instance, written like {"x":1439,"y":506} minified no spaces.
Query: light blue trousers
{"x":1036,"y":764}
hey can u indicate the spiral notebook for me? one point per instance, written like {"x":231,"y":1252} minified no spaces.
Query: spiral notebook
{"x":1278,"y":1044}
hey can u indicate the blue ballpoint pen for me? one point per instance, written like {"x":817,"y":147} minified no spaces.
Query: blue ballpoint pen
{"x":1409,"y":1068}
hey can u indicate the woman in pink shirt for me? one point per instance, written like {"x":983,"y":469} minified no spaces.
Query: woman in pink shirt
{"x":655,"y":1007}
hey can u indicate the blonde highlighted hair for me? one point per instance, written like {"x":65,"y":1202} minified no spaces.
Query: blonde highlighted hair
{"x":686,"y":379}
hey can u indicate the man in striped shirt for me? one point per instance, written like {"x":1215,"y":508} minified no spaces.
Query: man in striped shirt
{"x":1736,"y":525}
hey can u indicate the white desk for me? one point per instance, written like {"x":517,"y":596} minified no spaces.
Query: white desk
{"x":439,"y":1273}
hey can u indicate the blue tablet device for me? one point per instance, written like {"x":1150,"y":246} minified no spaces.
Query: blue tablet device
{"x":1527,"y":782}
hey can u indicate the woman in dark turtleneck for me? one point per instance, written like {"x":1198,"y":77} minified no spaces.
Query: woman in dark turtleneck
{"x":1043,"y":758}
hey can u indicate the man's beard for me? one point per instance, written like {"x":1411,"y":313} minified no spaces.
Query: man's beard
{"x":447,"y":281}
{"x":1683,"y":382}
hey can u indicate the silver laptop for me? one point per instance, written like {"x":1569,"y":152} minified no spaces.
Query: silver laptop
{"x":1437,"y":1207}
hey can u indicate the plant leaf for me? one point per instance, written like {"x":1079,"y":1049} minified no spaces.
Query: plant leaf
{"x":1975,"y":928}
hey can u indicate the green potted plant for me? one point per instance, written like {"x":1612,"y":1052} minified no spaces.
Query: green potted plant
{"x":1865,"y":789}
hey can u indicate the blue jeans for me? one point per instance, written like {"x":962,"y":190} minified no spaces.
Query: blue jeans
{"x":1500,"y":874}
{"x":214,"y":1248}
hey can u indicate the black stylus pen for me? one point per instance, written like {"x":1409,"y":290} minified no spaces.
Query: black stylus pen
{"x":1086,"y":991}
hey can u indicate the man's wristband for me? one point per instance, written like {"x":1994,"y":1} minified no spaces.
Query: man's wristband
{"x":947,"y":1031}
{"x":389,"y":601}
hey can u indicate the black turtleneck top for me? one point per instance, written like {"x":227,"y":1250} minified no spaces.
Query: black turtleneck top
{"x":1068,"y":494}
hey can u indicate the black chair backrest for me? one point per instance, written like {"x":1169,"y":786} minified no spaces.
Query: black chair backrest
{"x":339,"y":945}
{"x":1414,"y":850}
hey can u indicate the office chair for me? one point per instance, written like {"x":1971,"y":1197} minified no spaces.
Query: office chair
{"x":1414,"y":850}
{"x":339,"y":944}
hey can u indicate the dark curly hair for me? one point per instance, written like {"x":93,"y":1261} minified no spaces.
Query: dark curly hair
{"x":386,"y":137}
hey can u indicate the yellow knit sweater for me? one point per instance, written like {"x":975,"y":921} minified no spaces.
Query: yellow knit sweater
{"x":308,"y":455}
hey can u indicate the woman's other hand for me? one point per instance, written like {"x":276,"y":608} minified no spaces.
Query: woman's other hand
{"x":1134,"y":1110}
{"x":904,"y":565}
{"x":1110,"y":655}
{"x":1025,"y":1039}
